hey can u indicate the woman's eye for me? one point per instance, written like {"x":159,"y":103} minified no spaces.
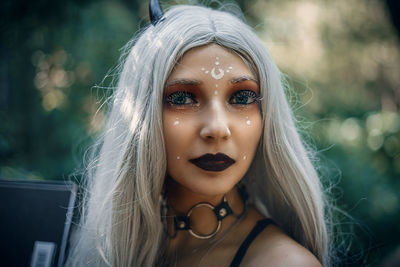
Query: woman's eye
{"x":181,"y":98}
{"x":243,"y":97}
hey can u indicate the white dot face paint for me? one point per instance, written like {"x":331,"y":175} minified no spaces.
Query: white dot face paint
{"x":216,"y":86}
{"x":216,"y":72}
{"x":244,"y":157}
{"x":178,"y":157}
{"x":248,"y":122}
{"x":215,"y":92}
{"x":176,"y":122}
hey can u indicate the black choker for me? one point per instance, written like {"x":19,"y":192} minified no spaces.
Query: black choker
{"x":220,"y":211}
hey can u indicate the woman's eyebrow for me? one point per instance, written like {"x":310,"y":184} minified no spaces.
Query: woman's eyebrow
{"x":243,"y":78}
{"x":182,"y":81}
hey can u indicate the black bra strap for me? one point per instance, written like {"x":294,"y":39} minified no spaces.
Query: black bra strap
{"x":258,"y":228}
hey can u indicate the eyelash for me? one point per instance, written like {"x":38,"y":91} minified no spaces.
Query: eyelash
{"x":170,"y":99}
{"x":174,"y":96}
{"x":247,"y":94}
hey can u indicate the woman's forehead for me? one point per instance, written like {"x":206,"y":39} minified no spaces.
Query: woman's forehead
{"x":210,"y":60}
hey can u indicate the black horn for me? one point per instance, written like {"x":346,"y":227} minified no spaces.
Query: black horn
{"x":156,"y":12}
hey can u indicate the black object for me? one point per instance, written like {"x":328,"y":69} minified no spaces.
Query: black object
{"x":155,"y":11}
{"x":258,"y":228}
{"x":221,"y":211}
{"x":393,"y":7}
{"x":35,"y":216}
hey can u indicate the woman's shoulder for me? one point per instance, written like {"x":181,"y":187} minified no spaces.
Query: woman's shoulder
{"x":272,"y":247}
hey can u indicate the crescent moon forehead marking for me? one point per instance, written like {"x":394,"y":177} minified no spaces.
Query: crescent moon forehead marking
{"x":218,"y":75}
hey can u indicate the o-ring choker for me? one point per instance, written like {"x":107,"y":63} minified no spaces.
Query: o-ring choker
{"x":221,"y":211}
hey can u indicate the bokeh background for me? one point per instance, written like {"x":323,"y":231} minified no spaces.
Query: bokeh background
{"x":341,"y":58}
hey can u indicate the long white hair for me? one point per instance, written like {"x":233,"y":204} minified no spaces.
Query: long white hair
{"x":120,"y":221}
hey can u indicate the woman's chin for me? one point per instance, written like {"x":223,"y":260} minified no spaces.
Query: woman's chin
{"x":211,"y":189}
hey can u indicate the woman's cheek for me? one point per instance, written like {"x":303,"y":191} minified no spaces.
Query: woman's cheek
{"x":251,"y":128}
{"x":175,"y":133}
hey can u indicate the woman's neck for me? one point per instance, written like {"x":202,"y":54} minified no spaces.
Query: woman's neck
{"x":181,"y":200}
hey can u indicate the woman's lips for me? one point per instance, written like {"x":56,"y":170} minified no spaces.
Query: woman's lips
{"x":215,"y":163}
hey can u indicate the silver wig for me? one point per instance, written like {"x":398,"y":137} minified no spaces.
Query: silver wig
{"x":120,"y":223}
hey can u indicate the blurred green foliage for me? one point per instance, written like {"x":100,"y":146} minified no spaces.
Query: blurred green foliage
{"x":342,"y":57}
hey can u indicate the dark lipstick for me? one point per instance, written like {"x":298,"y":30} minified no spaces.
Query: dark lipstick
{"x":214,"y":163}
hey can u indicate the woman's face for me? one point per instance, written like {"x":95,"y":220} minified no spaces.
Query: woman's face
{"x":211,"y":120}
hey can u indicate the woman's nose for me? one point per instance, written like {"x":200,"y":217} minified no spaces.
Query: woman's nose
{"x":216,"y":124}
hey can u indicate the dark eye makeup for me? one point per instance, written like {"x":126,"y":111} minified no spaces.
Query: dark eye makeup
{"x":185,"y":98}
{"x":243,"y":97}
{"x":180,"y":98}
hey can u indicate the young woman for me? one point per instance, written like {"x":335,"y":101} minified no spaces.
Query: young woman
{"x":200,"y":163}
